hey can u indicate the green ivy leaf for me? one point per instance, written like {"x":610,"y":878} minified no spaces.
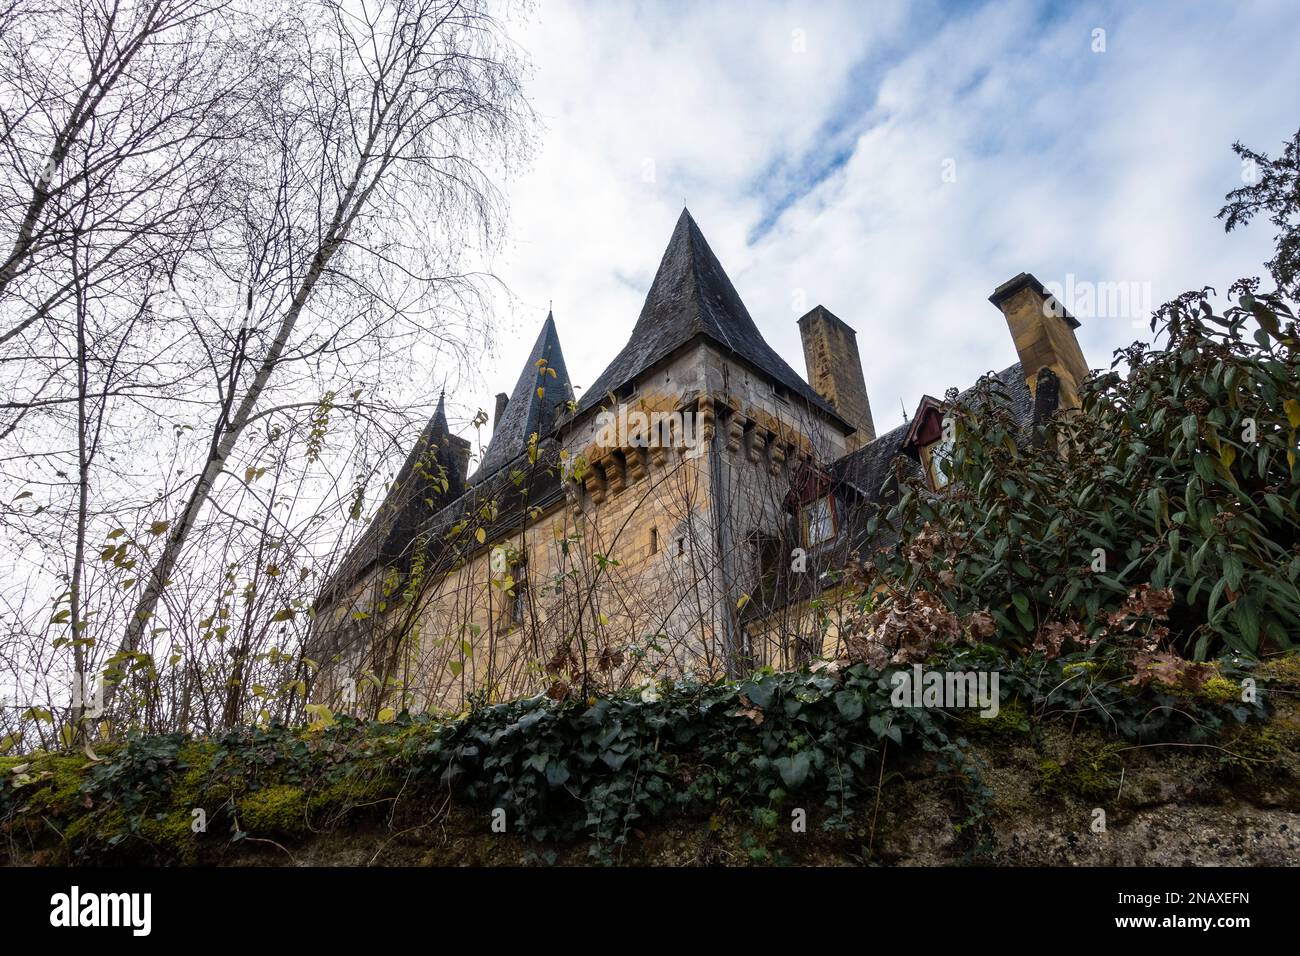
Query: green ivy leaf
{"x":793,"y":769}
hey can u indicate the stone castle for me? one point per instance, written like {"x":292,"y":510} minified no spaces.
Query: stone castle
{"x":687,"y":515}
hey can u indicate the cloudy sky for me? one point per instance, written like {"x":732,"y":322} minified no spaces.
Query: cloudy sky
{"x":894,"y":162}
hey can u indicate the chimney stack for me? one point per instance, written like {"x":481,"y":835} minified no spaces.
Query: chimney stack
{"x":1043,"y":332}
{"x":460,"y":450}
{"x":830,"y":350}
{"x":502,"y":401}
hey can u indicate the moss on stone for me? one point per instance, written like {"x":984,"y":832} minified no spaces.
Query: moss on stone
{"x":50,"y":783}
{"x":194,"y":787}
{"x":1220,"y":690}
{"x":351,"y":792}
{"x":1091,"y":773}
{"x":276,"y":811}
{"x":1012,"y":721}
{"x":1284,"y":669}
{"x":97,"y":827}
{"x":173,"y":836}
{"x":1254,"y":750}
{"x":69,"y":775}
{"x":1079,"y":668}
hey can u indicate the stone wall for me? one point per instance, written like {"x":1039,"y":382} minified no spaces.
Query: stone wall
{"x":641,"y":570}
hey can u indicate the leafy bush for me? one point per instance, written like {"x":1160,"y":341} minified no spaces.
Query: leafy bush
{"x":1178,"y":476}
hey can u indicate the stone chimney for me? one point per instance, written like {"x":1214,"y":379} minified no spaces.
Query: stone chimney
{"x":460,"y":449}
{"x":830,"y":350}
{"x":1043,"y":332}
{"x":502,"y":401}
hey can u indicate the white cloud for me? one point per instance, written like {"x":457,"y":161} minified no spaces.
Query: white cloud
{"x":1109,"y":166}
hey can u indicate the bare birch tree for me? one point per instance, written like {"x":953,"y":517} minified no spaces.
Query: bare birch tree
{"x":114,"y":116}
{"x":385,"y":125}
{"x":228,"y":232}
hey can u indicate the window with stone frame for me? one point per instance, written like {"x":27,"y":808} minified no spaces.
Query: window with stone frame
{"x":767,"y":556}
{"x":517,"y":599}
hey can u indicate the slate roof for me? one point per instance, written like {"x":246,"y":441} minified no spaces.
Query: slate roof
{"x":413,"y":505}
{"x":515,"y":488}
{"x":411,"y":498}
{"x":865,"y":484}
{"x":868,"y":468}
{"x":692,"y":297}
{"x":527,"y":412}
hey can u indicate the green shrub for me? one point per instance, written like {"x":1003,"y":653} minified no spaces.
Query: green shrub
{"x":1181,"y":476}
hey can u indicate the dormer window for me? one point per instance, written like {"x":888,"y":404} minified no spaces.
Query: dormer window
{"x":817,"y":522}
{"x":811,"y":500}
{"x":938,"y":460}
{"x":930,"y":441}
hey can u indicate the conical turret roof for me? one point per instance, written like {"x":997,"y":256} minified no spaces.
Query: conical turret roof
{"x":537,"y":396}
{"x":692,"y":296}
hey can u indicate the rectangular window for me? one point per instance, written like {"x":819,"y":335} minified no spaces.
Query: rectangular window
{"x":938,"y":456}
{"x":654,"y":540}
{"x":818,"y":520}
{"x":519,"y":599}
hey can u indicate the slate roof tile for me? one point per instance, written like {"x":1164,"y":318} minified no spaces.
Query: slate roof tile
{"x":692,"y":297}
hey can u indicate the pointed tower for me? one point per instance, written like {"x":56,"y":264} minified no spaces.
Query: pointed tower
{"x":539,"y":395}
{"x":417,"y":492}
{"x":692,"y":298}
